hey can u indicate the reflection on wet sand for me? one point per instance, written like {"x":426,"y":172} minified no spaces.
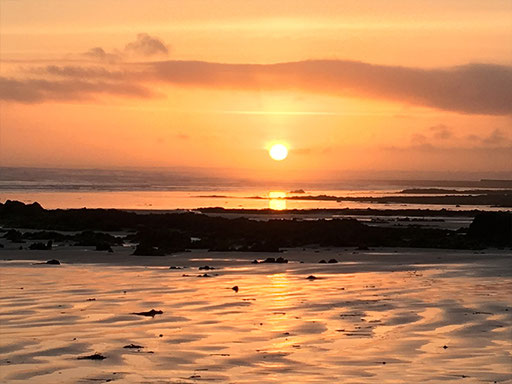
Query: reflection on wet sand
{"x":422,"y":323}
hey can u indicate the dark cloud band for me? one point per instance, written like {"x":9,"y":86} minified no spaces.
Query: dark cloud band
{"x":469,"y":89}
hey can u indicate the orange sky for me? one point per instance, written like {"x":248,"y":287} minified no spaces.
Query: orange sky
{"x":359,"y":86}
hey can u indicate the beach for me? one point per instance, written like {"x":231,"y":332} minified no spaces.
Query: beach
{"x":258,"y":192}
{"x":383,"y":315}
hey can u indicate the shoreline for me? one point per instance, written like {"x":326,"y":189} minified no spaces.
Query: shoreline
{"x":348,"y":260}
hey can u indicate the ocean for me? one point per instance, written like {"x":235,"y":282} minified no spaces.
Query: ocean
{"x":175,"y":189}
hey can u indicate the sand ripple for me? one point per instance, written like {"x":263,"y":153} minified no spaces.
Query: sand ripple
{"x":348,"y":326}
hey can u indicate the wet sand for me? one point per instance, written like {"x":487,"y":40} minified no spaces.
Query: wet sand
{"x":378,"y":316}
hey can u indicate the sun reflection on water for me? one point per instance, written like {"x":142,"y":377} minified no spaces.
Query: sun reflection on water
{"x":277,"y":200}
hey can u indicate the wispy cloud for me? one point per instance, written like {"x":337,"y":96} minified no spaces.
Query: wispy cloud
{"x":37,"y":90}
{"x":146,"y":45}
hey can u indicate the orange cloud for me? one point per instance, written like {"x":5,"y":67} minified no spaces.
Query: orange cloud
{"x":146,"y":45}
{"x":469,"y":89}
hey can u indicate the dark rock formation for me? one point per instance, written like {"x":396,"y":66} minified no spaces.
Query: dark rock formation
{"x":279,"y":260}
{"x":148,"y":250}
{"x":14,"y":236}
{"x":493,"y":228}
{"x":160,"y":234}
{"x":104,"y":246}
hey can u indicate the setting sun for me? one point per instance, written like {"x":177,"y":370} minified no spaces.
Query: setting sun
{"x":278,"y":152}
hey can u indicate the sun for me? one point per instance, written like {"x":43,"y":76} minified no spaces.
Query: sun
{"x":278,"y":152}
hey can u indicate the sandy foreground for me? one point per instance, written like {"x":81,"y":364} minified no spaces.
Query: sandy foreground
{"x":378,"y":316}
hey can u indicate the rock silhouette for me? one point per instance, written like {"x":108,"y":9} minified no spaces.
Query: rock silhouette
{"x":164,"y":233}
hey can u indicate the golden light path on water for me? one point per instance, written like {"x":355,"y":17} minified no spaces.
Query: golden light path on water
{"x":277,"y":200}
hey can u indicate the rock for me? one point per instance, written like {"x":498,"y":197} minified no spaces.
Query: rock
{"x":255,"y":262}
{"x":14,"y":236}
{"x":151,"y":313}
{"x":279,"y":260}
{"x":104,"y":246}
{"x":332,"y":261}
{"x":96,"y":356}
{"x":322,"y":261}
{"x":147,"y":250}
{"x":19,"y":209}
{"x":445,"y":347}
{"x":493,"y":228}
{"x":133,"y":346}
{"x":204,"y":275}
{"x":53,"y":262}
{"x":235,"y":288}
{"x":172,"y":267}
{"x":311,"y":277}
{"x":206,"y":268}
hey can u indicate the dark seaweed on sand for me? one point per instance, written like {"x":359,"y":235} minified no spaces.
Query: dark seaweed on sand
{"x":151,"y":313}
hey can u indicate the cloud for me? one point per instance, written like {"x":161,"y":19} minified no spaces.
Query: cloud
{"x":38,"y":90}
{"x":497,"y":137}
{"x":441,"y":131}
{"x":472,"y":88}
{"x":79,"y":72}
{"x":146,"y":45}
{"x":419,"y":139}
{"x":469,"y":89}
{"x":489,"y":151}
{"x":98,"y":53}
